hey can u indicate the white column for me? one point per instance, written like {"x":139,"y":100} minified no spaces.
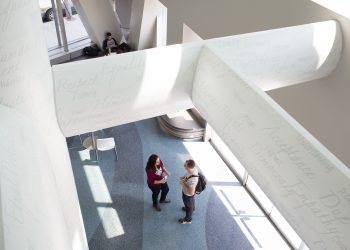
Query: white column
{"x":39,"y":202}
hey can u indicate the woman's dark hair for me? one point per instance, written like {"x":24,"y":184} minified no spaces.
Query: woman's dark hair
{"x":151,"y":162}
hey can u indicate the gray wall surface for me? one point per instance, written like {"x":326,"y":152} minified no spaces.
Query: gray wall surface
{"x":123,"y":8}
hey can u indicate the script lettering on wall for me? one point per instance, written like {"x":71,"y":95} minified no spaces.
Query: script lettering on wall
{"x":105,"y":92}
{"x":301,"y":177}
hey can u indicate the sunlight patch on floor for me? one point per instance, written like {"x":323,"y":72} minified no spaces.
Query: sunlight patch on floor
{"x":110,"y":221}
{"x":85,"y":155}
{"x":97,"y":184}
{"x":248,"y":216}
{"x":243,"y":209}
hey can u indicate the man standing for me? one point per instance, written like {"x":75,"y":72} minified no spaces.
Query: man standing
{"x":188,"y":183}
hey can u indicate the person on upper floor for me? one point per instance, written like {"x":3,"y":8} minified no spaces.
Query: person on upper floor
{"x":109,"y":44}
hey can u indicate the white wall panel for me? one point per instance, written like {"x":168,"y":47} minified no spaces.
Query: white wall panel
{"x":148,"y":31}
{"x":31,"y":214}
{"x":108,"y":91}
{"x":26,"y":86}
{"x":137,"y":7}
{"x":304,"y":180}
{"x":123,"y":8}
{"x":281,"y":57}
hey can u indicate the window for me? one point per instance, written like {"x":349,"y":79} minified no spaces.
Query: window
{"x":270,"y":210}
{"x":63,"y":27}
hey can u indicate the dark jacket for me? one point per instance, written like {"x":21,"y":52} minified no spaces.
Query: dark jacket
{"x":104,"y":45}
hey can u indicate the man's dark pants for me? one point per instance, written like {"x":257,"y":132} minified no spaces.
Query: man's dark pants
{"x":189,"y":203}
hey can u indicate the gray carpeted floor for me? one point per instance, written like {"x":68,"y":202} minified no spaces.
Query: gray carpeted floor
{"x":116,"y":202}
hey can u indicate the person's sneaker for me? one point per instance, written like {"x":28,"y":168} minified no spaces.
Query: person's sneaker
{"x":183,"y":221}
{"x":157,"y":207}
{"x":165,"y":201}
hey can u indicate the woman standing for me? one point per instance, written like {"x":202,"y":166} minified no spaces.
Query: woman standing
{"x":157,"y":176}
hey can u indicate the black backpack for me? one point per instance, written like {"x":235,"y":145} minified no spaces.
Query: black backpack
{"x":202,"y":183}
{"x":123,"y":48}
{"x":90,"y":51}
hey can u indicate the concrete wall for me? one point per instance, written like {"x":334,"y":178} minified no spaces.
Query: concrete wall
{"x":135,"y":23}
{"x":188,"y":35}
{"x":143,"y":23}
{"x":161,"y":26}
{"x":123,"y":8}
{"x":321,"y":106}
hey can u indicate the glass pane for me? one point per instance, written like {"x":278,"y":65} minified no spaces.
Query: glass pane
{"x":286,"y":229}
{"x":49,"y":26}
{"x":305,"y":247}
{"x":259,"y":195}
{"x":75,"y":29}
{"x":227,"y":155}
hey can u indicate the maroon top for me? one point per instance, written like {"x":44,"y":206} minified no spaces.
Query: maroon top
{"x":157,"y":175}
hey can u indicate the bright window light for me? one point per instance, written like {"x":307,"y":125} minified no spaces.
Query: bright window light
{"x":259,"y":195}
{"x":341,"y":7}
{"x":287,"y":230}
{"x":85,"y":155}
{"x":110,"y":222}
{"x":237,"y":201}
{"x":209,"y":162}
{"x":323,"y":41}
{"x":97,"y":184}
{"x":251,"y":220}
{"x":184,"y":114}
{"x":229,"y":157}
{"x":264,"y":233}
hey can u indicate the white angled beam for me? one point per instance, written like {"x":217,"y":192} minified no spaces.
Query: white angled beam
{"x":109,"y":91}
{"x":114,"y":90}
{"x":281,"y":57}
{"x":308,"y":185}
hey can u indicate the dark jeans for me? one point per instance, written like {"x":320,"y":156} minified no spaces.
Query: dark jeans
{"x":189,"y":203}
{"x":156,"y":190}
